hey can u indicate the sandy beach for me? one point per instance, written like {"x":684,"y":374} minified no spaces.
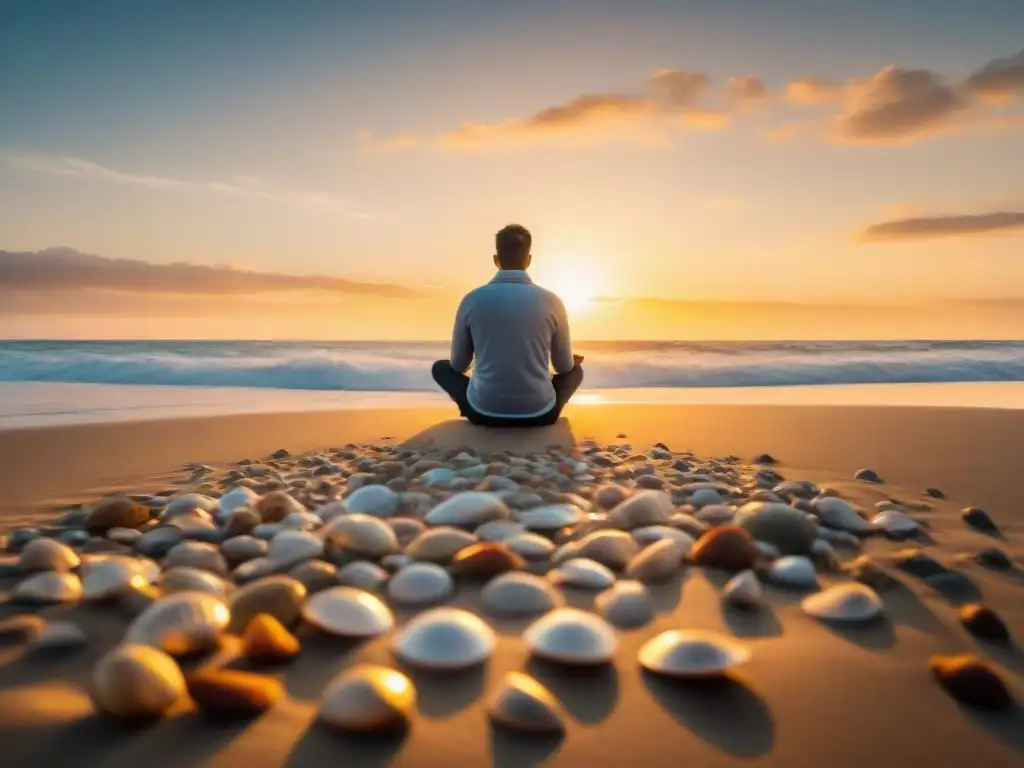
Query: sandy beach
{"x":811,"y":694}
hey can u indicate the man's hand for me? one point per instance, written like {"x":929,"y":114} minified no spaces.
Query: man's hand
{"x":578,"y":359}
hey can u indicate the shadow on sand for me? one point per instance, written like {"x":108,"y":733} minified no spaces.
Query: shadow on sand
{"x":587,"y":693}
{"x":460,"y":434}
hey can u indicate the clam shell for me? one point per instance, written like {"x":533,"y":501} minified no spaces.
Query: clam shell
{"x":691,"y":653}
{"x":44,"y":554}
{"x":445,"y":638}
{"x":744,"y":590}
{"x":348,"y":612}
{"x":137,"y":681}
{"x":550,"y":518}
{"x":361,"y":535}
{"x":894,"y":522}
{"x":658,"y":562}
{"x":522,"y":703}
{"x":439,"y":545}
{"x":185,"y":579}
{"x":530,"y":546}
{"x":571,"y":636}
{"x":627,"y":604}
{"x":368,"y":697}
{"x":839,"y":513}
{"x":197,"y":554}
{"x":850,"y":602}
{"x":468,"y":509}
{"x":48,"y":587}
{"x":363,"y":574}
{"x":280,"y":596}
{"x":648,"y":507}
{"x":793,"y":571}
{"x":420,"y":583}
{"x":650,"y":534}
{"x":376,"y":500}
{"x":114,"y":574}
{"x":182,"y":623}
{"x":582,"y":573}
{"x":519,"y":594}
{"x":613,"y":549}
{"x":292,"y":547}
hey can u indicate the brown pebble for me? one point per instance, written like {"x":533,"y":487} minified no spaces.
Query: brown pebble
{"x":241,"y":522}
{"x":981,"y":621}
{"x":971,"y":680}
{"x":115,"y":512}
{"x":232,"y":693}
{"x":486,"y":559}
{"x":266,"y":641}
{"x":728,"y":547}
{"x":275,"y":506}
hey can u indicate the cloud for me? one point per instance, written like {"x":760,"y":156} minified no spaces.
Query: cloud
{"x":749,"y":91}
{"x":813,"y":90}
{"x":246,"y":187}
{"x":56,"y":269}
{"x":923,"y":227}
{"x":999,"y":79}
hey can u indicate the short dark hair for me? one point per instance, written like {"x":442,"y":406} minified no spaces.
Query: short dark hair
{"x":512,"y":244}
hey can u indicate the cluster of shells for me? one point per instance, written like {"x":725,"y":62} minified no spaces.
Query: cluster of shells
{"x":344,"y":539}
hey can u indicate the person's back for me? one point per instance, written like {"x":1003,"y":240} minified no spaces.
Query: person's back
{"x":516,"y":331}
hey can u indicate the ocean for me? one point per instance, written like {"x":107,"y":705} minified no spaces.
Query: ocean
{"x":66,"y":381}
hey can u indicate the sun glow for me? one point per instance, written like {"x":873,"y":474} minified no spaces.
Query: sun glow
{"x":576,"y":288}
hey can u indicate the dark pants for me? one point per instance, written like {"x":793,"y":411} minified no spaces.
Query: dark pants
{"x":456,"y":385}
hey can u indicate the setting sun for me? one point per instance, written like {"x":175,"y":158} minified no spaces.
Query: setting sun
{"x":576,"y":288}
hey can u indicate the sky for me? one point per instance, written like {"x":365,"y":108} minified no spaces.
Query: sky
{"x":325,"y":169}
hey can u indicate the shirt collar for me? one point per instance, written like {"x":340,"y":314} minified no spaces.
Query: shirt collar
{"x":511,"y":276}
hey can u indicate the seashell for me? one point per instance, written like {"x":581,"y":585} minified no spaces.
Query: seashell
{"x":232,"y":693}
{"x":439,"y":545}
{"x":779,"y":524}
{"x":292,"y":547}
{"x":688,"y":524}
{"x":197,"y":554}
{"x":895,"y":523}
{"x":406,"y":529}
{"x":137,"y":682}
{"x":658,"y":562}
{"x":180,"y":624}
{"x":237,"y":498}
{"x":648,"y":507}
{"x":613,"y":549}
{"x":609,"y":496}
{"x":971,"y":680}
{"x":368,"y":697}
{"x":315,"y":575}
{"x":839,"y":513}
{"x":114,"y":574}
{"x":363,"y":575}
{"x":498,"y":530}
{"x":530,"y":546}
{"x":485,"y":559}
{"x":47,"y":555}
{"x":48,"y":587}
{"x":571,"y":636}
{"x":375,"y":500}
{"x":519,"y":594}
{"x":715,"y":514}
{"x":627,"y":604}
{"x":582,"y":573}
{"x":267,"y":641}
{"x":691,"y":653}
{"x":280,"y":596}
{"x":793,"y":571}
{"x":522,"y":703}
{"x":744,"y":590}
{"x":348,"y":612}
{"x":59,"y":636}
{"x":445,"y":638}
{"x":359,"y":534}
{"x":850,"y":602}
{"x":243,"y":548}
{"x":469,"y":509}
{"x":420,"y":583}
{"x":187,"y":502}
{"x":650,"y":534}
{"x":728,"y":547}
{"x":799,"y":488}
{"x":185,"y":579}
{"x":550,"y":518}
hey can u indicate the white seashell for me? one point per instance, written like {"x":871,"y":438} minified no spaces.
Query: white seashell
{"x":292,"y":547}
{"x":530,"y":546}
{"x":582,"y":573}
{"x":648,"y":507}
{"x":895,"y":523}
{"x":44,"y":554}
{"x":182,"y":623}
{"x":691,"y":653}
{"x":550,"y":517}
{"x":185,"y":579}
{"x":519,"y":594}
{"x":522,"y":703}
{"x":793,"y":571}
{"x":627,"y":604}
{"x":715,"y":514}
{"x":242,"y":496}
{"x":498,"y":530}
{"x":348,"y":612}
{"x":839,"y":513}
{"x":137,"y":681}
{"x":850,"y":602}
{"x":445,"y":638}
{"x":440,"y":544}
{"x":368,"y":697}
{"x":376,"y":500}
{"x":744,"y":590}
{"x":360,"y":534}
{"x":48,"y":587}
{"x":363,"y":574}
{"x":571,"y":636}
{"x":650,"y":534}
{"x":113,"y":575}
{"x":420,"y":583}
{"x":468,"y":509}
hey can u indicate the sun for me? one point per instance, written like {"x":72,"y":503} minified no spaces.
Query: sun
{"x":576,"y":289}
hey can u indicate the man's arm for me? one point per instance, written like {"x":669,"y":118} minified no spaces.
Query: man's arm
{"x":561,"y":343}
{"x":462,"y":339}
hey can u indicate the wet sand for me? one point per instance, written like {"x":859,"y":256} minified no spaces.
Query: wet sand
{"x":810,"y":695}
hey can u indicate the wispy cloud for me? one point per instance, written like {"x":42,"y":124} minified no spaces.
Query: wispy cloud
{"x":61,"y":269}
{"x":1000,"y":79}
{"x":246,"y":187}
{"x":955,"y":225}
